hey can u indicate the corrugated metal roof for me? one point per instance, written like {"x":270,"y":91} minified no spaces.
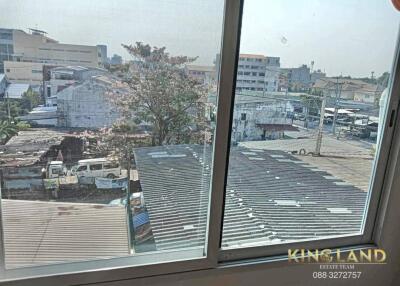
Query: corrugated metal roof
{"x":17,"y":90}
{"x":28,"y":146}
{"x":47,"y":232}
{"x":271,"y":197}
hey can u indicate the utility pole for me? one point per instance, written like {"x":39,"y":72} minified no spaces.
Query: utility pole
{"x":320,"y":128}
{"x":8,"y":107}
{"x":338,"y":92}
{"x":131,"y":232}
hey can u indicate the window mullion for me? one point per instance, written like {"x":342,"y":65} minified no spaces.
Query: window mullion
{"x":226,"y":93}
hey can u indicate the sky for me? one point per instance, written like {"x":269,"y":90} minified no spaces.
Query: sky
{"x":348,"y":37}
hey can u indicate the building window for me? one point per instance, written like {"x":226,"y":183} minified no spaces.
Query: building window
{"x":243,"y":116}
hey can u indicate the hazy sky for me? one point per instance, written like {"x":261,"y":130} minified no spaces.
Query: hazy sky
{"x":342,"y":36}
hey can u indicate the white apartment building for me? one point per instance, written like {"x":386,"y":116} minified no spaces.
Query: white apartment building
{"x":257,"y":73}
{"x":22,"y":55}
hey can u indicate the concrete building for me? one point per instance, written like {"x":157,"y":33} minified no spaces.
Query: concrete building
{"x":315,"y":75}
{"x":350,"y":89}
{"x":65,"y":76}
{"x":87,"y":104}
{"x":205,"y":74}
{"x":6,"y":47}
{"x":258,"y":117}
{"x":102,"y":49}
{"x":257,"y":73}
{"x":297,"y":79}
{"x":24,"y":54}
{"x":116,"y":60}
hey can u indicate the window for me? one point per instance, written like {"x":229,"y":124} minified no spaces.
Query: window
{"x":300,"y":160}
{"x":96,"y":167}
{"x":3,"y":49}
{"x":82,"y":168}
{"x":6,"y":36}
{"x":159,"y":144}
{"x":305,"y":177}
{"x":111,"y":165}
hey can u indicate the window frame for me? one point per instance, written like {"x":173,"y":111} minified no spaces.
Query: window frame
{"x":379,"y":186}
{"x":165,"y":262}
{"x":176,"y":261}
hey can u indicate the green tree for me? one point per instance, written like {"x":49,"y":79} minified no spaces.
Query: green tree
{"x":29,"y":100}
{"x":163,"y":95}
{"x":20,"y":106}
{"x":7,"y":130}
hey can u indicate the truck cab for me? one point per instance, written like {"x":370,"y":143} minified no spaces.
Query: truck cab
{"x":56,"y":169}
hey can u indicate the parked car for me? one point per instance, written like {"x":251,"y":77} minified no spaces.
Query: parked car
{"x":98,"y":167}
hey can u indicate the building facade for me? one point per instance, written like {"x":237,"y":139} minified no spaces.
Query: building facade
{"x":257,"y":73}
{"x":349,"y":89}
{"x":87,"y":104}
{"x":260,"y":118}
{"x":204,"y":74}
{"x":102,"y":49}
{"x":116,"y":60}
{"x":296,"y":79}
{"x":22,"y":55}
{"x":65,"y":76}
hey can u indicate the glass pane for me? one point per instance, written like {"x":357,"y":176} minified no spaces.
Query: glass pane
{"x":106,"y":148}
{"x":310,"y":101}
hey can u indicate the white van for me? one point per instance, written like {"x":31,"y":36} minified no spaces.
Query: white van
{"x":99,"y":167}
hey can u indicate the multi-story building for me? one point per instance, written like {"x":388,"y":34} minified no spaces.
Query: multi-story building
{"x":257,"y":73}
{"x":22,"y":55}
{"x":103,"y":54}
